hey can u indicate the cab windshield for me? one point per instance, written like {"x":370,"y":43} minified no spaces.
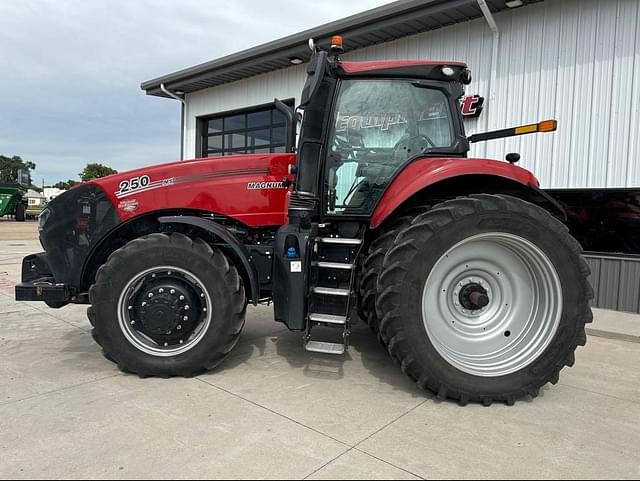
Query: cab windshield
{"x":379,"y":126}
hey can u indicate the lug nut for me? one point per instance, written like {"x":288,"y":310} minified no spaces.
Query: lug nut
{"x":185,"y":318}
{"x":150,"y":295}
{"x":144,"y":304}
{"x":172,"y":291}
{"x":204,"y":309}
{"x":161,"y":290}
{"x":179,"y":327}
{"x":130,"y":307}
{"x":186,"y":308}
{"x":133,"y":322}
{"x":181,"y":341}
{"x":166,"y":344}
{"x":182,"y":298}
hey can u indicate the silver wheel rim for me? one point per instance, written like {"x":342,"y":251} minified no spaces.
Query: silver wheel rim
{"x":523,"y":314}
{"x":127,"y":321}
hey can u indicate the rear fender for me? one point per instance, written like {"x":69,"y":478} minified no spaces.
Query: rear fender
{"x":427,"y":179}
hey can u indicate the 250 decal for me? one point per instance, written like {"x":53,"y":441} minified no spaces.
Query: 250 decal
{"x":133,"y":184}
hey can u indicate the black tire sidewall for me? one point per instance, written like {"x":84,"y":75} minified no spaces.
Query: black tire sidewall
{"x":543,"y":231}
{"x":143,"y":256}
{"x":20,"y":212}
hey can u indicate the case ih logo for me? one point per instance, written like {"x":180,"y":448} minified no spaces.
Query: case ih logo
{"x":471,"y":106}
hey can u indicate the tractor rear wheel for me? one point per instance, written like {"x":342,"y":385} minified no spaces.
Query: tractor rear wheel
{"x":371,"y":267}
{"x":484,"y":299}
{"x":167,"y":305}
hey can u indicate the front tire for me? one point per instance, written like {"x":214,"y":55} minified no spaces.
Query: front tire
{"x":484,"y":299}
{"x":167,"y":305}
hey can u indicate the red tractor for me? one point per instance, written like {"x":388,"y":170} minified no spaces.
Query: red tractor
{"x":462,"y":267}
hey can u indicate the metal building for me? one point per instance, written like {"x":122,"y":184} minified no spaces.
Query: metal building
{"x":577,"y":61}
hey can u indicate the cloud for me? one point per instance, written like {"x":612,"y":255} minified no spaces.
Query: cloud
{"x":70,"y":71}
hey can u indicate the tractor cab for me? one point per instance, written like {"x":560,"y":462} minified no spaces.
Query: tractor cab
{"x":363,"y":123}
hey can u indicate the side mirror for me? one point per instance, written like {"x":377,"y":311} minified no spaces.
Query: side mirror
{"x":292,"y":124}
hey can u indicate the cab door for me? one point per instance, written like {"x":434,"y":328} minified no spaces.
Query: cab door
{"x":379,"y":126}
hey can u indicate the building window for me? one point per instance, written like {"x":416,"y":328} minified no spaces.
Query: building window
{"x":258,"y":130}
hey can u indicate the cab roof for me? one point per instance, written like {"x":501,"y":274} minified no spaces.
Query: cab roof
{"x":418,"y":69}
{"x":384,"y":65}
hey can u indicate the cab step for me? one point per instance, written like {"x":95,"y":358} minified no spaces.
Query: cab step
{"x":339,"y":240}
{"x":325,"y":347}
{"x":333,"y":265}
{"x":328,"y":319}
{"x":330,"y":291}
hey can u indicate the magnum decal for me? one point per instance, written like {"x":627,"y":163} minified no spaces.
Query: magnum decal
{"x":265,"y":185}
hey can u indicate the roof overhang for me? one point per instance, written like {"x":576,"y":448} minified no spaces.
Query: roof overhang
{"x":379,"y":25}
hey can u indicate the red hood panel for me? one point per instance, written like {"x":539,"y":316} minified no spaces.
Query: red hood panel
{"x":247,"y":188}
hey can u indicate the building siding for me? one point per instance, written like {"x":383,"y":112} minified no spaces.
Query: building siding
{"x":574,"y":60}
{"x":616,"y":282}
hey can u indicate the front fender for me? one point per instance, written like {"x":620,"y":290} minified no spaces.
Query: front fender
{"x":240,"y":252}
{"x":427,"y":172}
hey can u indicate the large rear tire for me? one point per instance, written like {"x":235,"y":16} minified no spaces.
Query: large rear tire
{"x":484,"y":299}
{"x":167,"y":305}
{"x":371,"y":267}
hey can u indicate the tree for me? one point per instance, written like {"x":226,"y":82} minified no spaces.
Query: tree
{"x":65,"y":185}
{"x":95,"y":171}
{"x":9,"y":167}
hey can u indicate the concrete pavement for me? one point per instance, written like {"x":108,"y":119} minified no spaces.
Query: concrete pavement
{"x":272,"y":410}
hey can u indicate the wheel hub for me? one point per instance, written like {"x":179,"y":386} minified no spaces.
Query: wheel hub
{"x":164,"y":304}
{"x":164,"y":311}
{"x":474,"y":297}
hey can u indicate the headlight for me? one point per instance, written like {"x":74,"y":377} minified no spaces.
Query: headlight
{"x":448,"y":71}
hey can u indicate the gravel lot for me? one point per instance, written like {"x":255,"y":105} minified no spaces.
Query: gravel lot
{"x":274,"y":411}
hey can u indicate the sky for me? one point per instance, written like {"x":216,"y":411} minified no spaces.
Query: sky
{"x":70,"y":71}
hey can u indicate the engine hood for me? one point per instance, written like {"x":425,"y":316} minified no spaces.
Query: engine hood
{"x":248,"y":188}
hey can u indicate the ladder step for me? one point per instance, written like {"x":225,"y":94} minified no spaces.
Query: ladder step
{"x":333,"y":265}
{"x":329,"y":291}
{"x":327,"y":318}
{"x":339,"y":240}
{"x":325,"y":347}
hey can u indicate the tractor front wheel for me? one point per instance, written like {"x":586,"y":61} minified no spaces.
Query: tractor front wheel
{"x":484,"y":299}
{"x":167,"y":305}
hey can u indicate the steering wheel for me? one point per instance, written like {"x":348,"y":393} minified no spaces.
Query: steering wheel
{"x":408,"y":146}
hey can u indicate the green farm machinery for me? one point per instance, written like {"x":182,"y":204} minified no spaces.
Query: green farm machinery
{"x":13,"y":200}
